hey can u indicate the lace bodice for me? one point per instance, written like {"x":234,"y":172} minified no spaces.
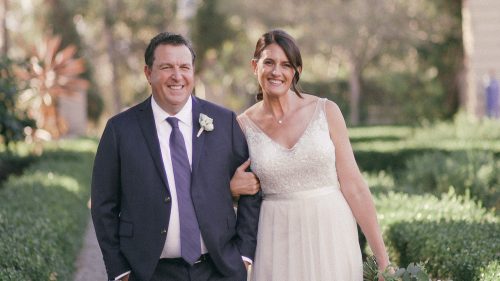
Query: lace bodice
{"x":309,"y":164}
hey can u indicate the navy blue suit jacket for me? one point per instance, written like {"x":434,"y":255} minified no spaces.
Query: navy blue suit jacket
{"x":131,"y":198}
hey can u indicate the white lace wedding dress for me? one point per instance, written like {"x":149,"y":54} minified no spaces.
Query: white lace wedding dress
{"x":306,"y":230}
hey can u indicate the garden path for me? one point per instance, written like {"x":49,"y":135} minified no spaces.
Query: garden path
{"x":89,"y":265}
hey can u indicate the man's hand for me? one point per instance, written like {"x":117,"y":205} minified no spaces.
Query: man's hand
{"x":244,"y":183}
{"x":125,"y":278}
{"x":247,"y":265}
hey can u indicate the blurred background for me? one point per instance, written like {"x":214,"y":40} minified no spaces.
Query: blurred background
{"x":74,"y":64}
{"x":417,"y":82}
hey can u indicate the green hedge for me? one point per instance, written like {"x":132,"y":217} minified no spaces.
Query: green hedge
{"x":13,"y":164}
{"x":425,"y":228}
{"x":469,"y":172}
{"x":395,"y":207}
{"x":491,"y":272}
{"x":43,"y":214}
{"x":459,"y":250}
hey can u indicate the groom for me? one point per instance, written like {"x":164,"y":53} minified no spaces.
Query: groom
{"x":161,"y":200}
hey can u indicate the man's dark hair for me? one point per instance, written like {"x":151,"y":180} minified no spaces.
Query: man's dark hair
{"x":166,"y":38}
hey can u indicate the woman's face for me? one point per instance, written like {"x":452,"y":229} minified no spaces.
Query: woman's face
{"x":274,"y":71}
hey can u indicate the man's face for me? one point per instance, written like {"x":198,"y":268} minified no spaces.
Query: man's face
{"x":171,"y":76}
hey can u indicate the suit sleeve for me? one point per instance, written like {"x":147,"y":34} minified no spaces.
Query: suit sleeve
{"x":105,"y":202}
{"x":248,"y":205}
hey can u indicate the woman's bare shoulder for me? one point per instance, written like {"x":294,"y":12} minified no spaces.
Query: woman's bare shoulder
{"x":249,"y":112}
{"x":333,"y":114}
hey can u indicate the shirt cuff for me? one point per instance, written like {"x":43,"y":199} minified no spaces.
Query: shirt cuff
{"x":247,"y":259}
{"x":122,"y":275}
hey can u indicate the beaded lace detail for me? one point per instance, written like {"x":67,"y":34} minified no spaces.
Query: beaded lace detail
{"x":308,"y":165}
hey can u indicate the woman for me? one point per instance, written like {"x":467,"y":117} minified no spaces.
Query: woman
{"x":313,"y":191}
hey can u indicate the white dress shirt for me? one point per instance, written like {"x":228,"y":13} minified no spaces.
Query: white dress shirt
{"x":172,"y":248}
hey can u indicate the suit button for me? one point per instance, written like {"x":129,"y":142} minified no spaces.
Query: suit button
{"x":163,"y":231}
{"x":167,"y":199}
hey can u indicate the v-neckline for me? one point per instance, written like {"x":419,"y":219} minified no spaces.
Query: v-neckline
{"x":300,"y":137}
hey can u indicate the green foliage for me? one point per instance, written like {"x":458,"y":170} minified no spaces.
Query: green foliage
{"x":395,"y":207}
{"x":13,"y":164}
{"x":468,"y":172}
{"x":406,"y":98}
{"x":491,"y":272}
{"x":13,"y":120}
{"x":463,"y":127}
{"x":445,"y":55}
{"x":427,"y":226}
{"x":43,"y":214}
{"x":95,"y":104}
{"x":401,"y":211}
{"x":459,"y":250}
{"x":383,"y":148}
{"x":337,"y":91}
{"x":370,"y":269}
{"x":380,"y":182}
{"x":211,"y":28}
{"x":414,"y":272}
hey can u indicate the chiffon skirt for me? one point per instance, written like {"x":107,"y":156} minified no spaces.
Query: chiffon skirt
{"x":307,"y":236}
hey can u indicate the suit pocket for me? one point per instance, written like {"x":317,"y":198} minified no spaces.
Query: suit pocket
{"x":126,"y":229}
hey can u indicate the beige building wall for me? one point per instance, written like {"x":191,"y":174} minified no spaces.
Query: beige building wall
{"x":482,"y":46}
{"x":74,"y":111}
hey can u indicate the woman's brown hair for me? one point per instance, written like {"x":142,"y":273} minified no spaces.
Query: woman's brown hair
{"x":292,"y":52}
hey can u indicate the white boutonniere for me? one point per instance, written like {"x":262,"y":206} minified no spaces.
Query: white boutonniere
{"x":206,"y":123}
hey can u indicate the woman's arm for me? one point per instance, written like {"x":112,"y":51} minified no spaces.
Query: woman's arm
{"x":353,"y":186}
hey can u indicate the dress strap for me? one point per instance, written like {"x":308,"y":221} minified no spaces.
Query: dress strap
{"x":244,"y":122}
{"x":322,"y":104}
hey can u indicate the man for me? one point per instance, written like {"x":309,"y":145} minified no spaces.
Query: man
{"x":161,"y":200}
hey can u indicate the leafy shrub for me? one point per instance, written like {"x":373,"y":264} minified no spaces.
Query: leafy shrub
{"x":414,"y":272}
{"x":12,"y":118}
{"x":392,"y":159}
{"x":491,"y":272}
{"x":381,"y":182}
{"x":459,"y":250}
{"x":396,"y":207}
{"x":464,"y":127}
{"x":426,"y":228}
{"x":406,"y":97}
{"x":13,"y":164}
{"x":469,"y":172}
{"x":43,"y":215}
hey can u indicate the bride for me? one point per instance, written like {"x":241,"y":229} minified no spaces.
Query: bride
{"x":313,"y":191}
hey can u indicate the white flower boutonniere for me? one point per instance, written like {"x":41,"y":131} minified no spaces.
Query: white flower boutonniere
{"x":206,"y":123}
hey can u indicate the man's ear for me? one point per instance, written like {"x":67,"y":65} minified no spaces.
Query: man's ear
{"x":147,"y":73}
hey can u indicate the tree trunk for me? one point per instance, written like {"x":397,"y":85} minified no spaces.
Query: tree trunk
{"x":355,"y":92}
{"x":468,"y":96}
{"x":4,"y":32}
{"x":110,"y":11}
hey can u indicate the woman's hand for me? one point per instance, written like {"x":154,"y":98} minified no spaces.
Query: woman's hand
{"x":387,"y":268}
{"x":243,"y":182}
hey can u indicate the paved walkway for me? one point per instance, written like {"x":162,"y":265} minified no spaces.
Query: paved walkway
{"x":90,"y":266}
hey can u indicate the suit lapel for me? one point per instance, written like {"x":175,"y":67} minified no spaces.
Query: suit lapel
{"x":148,"y":127}
{"x":197,"y":141}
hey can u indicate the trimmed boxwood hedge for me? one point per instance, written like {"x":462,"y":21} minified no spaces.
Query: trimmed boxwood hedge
{"x":473,"y":172}
{"x":459,"y":250}
{"x":12,"y":164}
{"x":43,"y":214}
{"x":427,"y":228}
